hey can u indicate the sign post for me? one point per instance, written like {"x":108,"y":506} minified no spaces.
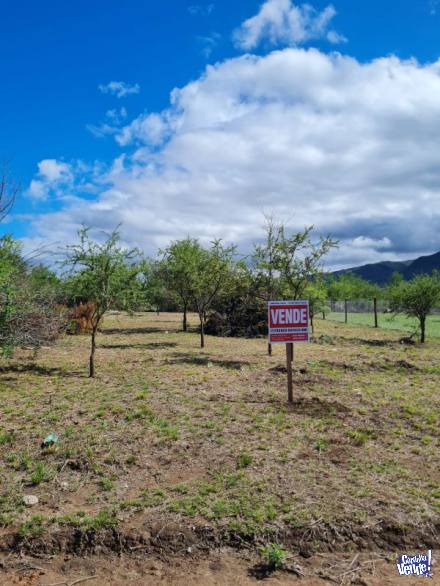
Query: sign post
{"x":288,"y":323}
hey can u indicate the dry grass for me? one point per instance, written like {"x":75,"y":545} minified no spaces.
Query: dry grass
{"x":166,"y":431}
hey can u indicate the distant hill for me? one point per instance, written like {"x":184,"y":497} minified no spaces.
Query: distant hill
{"x":381,"y":272}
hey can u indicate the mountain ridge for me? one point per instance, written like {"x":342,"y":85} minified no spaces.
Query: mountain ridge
{"x":381,"y":272}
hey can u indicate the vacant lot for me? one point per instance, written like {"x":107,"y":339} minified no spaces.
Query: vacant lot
{"x":391,"y":322}
{"x":181,"y":453}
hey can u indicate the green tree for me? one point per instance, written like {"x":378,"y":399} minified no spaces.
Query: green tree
{"x":264,"y":264}
{"x":375,"y":293}
{"x":346,"y":287}
{"x":177,"y":266}
{"x":287,"y":264}
{"x":104,"y":274}
{"x":29,"y":312}
{"x":298,"y":260}
{"x":210,"y":273}
{"x":416,"y":298}
{"x":316,"y":294}
{"x":152,"y":288}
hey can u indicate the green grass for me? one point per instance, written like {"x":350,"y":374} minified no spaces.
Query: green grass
{"x":389,"y":322}
{"x":167,"y":431}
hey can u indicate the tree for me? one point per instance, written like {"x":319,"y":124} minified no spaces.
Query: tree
{"x":263,"y":261}
{"x":9,"y":190}
{"x":316,"y":293}
{"x":210,"y":272}
{"x":298,"y":260}
{"x":287,"y":264}
{"x":238,"y":310}
{"x":151,"y":289}
{"x":103,"y":274}
{"x":374,"y":292}
{"x":177,"y":268}
{"x":29,"y":313}
{"x":416,"y":298}
{"x":346,"y":287}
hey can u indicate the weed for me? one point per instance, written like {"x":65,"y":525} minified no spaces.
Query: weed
{"x":244,"y":460}
{"x":361,"y":436}
{"x":41,"y":474}
{"x":6,"y":438}
{"x":34,"y":527}
{"x":274,"y":555}
{"x":321,"y":444}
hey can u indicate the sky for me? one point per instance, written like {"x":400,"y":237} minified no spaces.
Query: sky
{"x":179,"y":118}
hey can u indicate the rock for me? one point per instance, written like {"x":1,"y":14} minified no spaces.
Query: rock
{"x":30,"y":500}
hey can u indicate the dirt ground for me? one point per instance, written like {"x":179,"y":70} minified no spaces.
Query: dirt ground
{"x":219,"y":568}
{"x":178,"y":466}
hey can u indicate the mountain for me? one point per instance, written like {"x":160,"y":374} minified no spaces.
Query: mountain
{"x":381,"y":272}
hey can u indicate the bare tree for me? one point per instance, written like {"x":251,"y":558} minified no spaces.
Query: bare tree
{"x":9,"y":190}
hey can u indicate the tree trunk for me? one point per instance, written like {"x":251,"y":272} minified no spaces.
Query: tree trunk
{"x":323,"y":315}
{"x":422,"y":329}
{"x":202,"y":332}
{"x":185,"y":321}
{"x":346,"y":310}
{"x":311,"y":323}
{"x":376,"y":323}
{"x":92,"y":355}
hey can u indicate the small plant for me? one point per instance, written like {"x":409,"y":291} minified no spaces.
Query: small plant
{"x":40,"y":474}
{"x":361,"y":436}
{"x":106,"y":484}
{"x":274,"y":555}
{"x":244,"y":460}
{"x":32,"y":528}
{"x":6,"y":438}
{"x":321,"y":444}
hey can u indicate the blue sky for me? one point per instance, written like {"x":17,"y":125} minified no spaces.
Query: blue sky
{"x":55,"y":55}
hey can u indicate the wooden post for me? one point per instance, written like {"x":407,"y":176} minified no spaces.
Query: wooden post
{"x":376,"y":324}
{"x":289,"y":360}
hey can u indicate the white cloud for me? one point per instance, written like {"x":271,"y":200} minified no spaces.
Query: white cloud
{"x":198,"y":9}
{"x":51,"y":175}
{"x":313,"y":138}
{"x":120,"y":89}
{"x":282,"y":22}
{"x":115,"y":118}
{"x":209,"y":43}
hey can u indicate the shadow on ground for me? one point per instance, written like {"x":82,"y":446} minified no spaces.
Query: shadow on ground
{"x":39,"y":370}
{"x":128,"y":331}
{"x":181,"y":358}
{"x":152,"y":346}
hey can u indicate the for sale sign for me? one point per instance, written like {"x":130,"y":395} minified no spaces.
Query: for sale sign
{"x":288,"y":321}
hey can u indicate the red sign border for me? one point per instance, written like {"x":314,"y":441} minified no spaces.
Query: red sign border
{"x":288,"y":337}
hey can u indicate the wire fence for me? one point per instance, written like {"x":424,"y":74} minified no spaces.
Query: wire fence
{"x":364,"y":306}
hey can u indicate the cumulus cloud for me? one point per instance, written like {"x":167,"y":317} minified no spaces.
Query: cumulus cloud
{"x":120,"y":89}
{"x":52,"y":174}
{"x":67,"y":181}
{"x":312,"y":138}
{"x":282,"y":22}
